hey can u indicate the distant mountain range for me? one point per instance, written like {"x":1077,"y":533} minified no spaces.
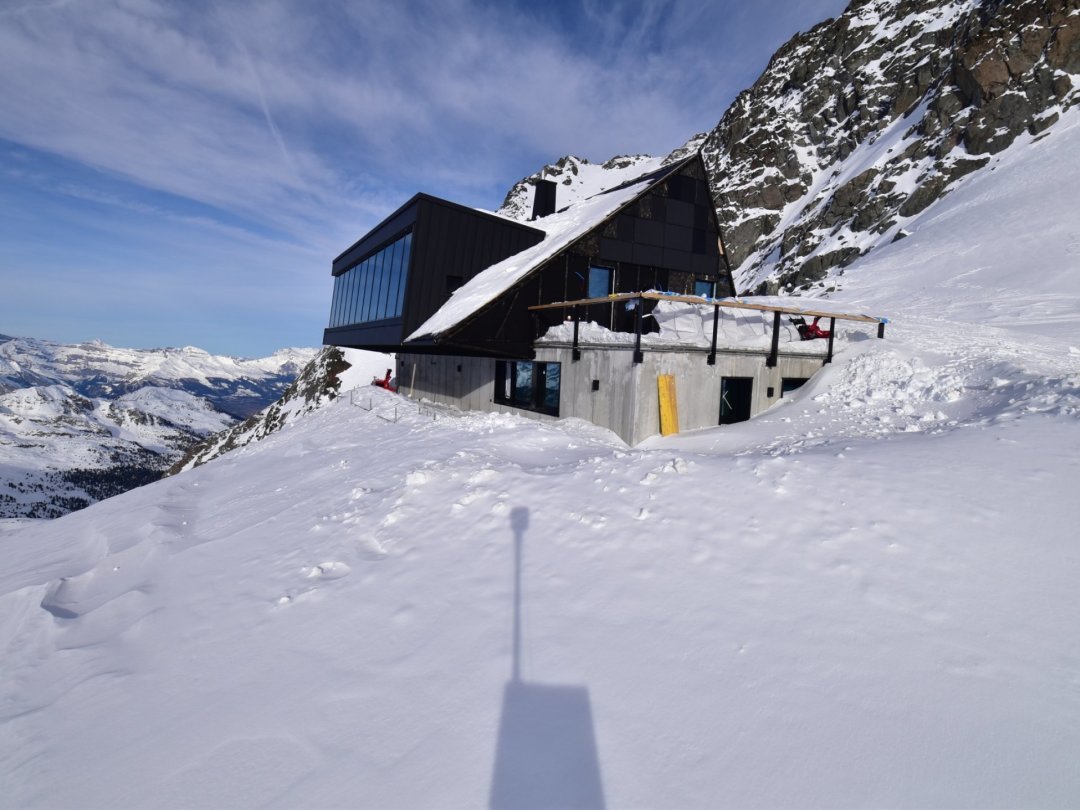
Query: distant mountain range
{"x":82,"y":422}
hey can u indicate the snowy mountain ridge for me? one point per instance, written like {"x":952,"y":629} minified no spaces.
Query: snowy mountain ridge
{"x":236,"y":386}
{"x":79,"y":423}
{"x":577,"y":179}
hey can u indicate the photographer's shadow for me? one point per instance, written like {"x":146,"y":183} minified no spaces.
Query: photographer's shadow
{"x":546,"y":754}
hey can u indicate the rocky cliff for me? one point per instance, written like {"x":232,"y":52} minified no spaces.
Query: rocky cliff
{"x":866,"y":120}
{"x":859,"y":125}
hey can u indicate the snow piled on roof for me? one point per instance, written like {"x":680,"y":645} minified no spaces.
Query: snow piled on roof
{"x":690,"y":325}
{"x":561,"y":228}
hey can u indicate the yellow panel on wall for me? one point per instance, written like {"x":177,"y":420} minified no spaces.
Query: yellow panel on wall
{"x":669,"y":406}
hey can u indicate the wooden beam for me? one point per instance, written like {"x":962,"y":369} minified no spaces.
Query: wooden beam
{"x":581,"y":302}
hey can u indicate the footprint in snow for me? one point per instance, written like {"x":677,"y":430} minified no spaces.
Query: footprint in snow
{"x":323,"y":572}
{"x":328,"y":570}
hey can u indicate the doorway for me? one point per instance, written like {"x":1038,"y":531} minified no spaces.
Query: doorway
{"x":735,"y":397}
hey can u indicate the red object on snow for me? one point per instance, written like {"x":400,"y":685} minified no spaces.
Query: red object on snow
{"x":810,"y":331}
{"x":385,"y":382}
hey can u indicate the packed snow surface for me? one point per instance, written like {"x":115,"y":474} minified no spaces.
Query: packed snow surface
{"x":865,"y":597}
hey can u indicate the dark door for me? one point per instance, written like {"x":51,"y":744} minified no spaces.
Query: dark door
{"x":735,"y":393}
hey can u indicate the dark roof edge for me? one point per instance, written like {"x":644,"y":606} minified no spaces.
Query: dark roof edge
{"x":415,"y":198}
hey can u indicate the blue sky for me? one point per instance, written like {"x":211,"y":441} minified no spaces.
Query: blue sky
{"x":182,"y":173}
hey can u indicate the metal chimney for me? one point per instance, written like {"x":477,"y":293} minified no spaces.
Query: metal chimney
{"x":544,"y":200}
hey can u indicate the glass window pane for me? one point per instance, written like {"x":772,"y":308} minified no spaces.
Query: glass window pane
{"x":365,"y":299}
{"x":343,"y":315}
{"x":523,"y":384}
{"x":392,"y":280}
{"x":347,"y":282}
{"x":339,"y":316}
{"x":599,"y":282}
{"x":365,"y":273}
{"x":362,"y":272}
{"x":381,"y":289}
{"x":551,"y":387}
{"x":354,"y":277}
{"x":704,"y":288}
{"x":387,"y":280}
{"x":339,"y":285}
{"x":333,"y":303}
{"x":406,"y":250}
{"x":373,"y":304}
{"x":376,"y":285}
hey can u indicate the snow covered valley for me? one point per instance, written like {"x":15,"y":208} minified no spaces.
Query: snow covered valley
{"x":865,"y":597}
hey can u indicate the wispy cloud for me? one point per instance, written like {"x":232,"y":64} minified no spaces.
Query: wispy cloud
{"x":309,"y":121}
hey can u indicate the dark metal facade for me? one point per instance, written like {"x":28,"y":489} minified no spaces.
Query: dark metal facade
{"x":666,"y":239}
{"x":450,"y":245}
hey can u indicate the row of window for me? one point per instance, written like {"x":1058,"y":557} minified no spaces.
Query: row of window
{"x":373,"y":289}
{"x":601,"y":283}
{"x":536,"y":387}
{"x":529,"y":385}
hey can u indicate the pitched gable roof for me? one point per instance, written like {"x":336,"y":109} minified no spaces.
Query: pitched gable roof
{"x":562,"y":229}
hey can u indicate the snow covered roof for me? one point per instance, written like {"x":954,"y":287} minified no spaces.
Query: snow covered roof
{"x":561,"y":229}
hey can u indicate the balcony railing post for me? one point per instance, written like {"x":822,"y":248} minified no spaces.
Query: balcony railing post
{"x":638,"y":356}
{"x":715,"y":327}
{"x":576,"y":352}
{"x":774,"y":352}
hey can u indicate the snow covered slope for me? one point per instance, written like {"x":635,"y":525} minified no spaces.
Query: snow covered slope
{"x":85,"y":422}
{"x":864,"y":597}
{"x":332,"y":372}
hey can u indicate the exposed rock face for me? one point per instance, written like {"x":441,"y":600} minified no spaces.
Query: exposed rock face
{"x":868,"y":119}
{"x":317,"y":384}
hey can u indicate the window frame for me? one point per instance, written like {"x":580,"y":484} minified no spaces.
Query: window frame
{"x":507,"y":392}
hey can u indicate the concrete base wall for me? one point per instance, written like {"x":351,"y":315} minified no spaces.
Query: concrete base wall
{"x":466,"y":383}
{"x":626,"y":400}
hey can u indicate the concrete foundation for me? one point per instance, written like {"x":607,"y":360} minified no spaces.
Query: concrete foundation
{"x":607,"y":388}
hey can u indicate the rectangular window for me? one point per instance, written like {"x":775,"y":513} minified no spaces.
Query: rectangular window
{"x":395,"y":268}
{"x":334,"y":302}
{"x":600,"y":281}
{"x":528,"y":385}
{"x":522,"y":394}
{"x":406,"y":251}
{"x":789,"y":384}
{"x":350,"y":294}
{"x":373,"y":289}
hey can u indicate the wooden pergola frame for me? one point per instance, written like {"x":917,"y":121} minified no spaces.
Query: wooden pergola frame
{"x":716,"y":303}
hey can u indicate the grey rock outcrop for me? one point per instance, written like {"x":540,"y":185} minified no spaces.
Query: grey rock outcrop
{"x":868,"y":119}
